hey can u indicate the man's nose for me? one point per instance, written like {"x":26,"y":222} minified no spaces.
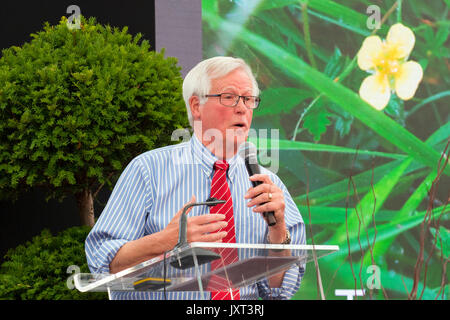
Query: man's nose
{"x":240,"y":107}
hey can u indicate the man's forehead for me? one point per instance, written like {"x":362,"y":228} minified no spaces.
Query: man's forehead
{"x":234,"y":88}
{"x":236,"y":84}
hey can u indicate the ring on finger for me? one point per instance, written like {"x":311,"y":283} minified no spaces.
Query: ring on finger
{"x":270,"y":196}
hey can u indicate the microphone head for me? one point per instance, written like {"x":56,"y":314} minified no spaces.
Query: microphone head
{"x":247,"y":150}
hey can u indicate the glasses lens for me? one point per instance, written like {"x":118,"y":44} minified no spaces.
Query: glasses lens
{"x":251,"y":102}
{"x":229,"y":99}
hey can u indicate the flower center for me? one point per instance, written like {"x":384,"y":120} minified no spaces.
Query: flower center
{"x":387,"y":62}
{"x":388,"y":67}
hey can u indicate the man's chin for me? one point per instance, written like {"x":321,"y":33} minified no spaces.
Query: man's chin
{"x":237,"y":131}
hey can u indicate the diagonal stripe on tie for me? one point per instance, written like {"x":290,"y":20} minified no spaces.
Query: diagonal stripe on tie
{"x":218,"y":179}
{"x":220,"y":186}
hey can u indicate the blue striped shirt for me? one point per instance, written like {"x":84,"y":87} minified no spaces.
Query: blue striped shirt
{"x":156,"y":184}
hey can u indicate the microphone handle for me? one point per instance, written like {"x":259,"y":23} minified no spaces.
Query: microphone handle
{"x":270,"y":215}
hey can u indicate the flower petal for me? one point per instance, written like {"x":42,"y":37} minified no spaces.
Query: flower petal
{"x":370,"y":49}
{"x":407,"y":79}
{"x":402,"y":39}
{"x":375,"y":91}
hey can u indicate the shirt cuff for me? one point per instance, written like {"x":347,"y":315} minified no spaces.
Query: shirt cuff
{"x":290,"y":285}
{"x":104,"y":254}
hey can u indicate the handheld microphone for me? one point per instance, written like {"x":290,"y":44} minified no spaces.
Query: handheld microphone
{"x":248,"y":152}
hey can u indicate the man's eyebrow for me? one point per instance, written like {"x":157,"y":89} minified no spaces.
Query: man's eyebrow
{"x":246,"y":90}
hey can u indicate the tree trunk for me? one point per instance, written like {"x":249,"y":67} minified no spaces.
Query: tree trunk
{"x":85,"y":203}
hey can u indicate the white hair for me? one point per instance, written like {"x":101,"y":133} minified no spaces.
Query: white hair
{"x":198,"y":81}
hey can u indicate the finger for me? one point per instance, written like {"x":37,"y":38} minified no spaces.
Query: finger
{"x":266,"y":207}
{"x":264,"y":178}
{"x":206,"y":218}
{"x":262,"y":188}
{"x":191,"y":201}
{"x":212,"y":227}
{"x":261,"y":199}
{"x":213,"y":237}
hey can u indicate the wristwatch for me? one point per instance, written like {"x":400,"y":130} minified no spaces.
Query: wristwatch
{"x":287,"y":240}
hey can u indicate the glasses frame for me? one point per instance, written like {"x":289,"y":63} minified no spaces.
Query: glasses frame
{"x":257,"y":99}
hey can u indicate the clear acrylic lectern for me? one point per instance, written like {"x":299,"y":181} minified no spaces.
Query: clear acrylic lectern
{"x":188,"y":268}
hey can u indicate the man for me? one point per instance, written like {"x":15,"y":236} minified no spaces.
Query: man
{"x":140,"y":220}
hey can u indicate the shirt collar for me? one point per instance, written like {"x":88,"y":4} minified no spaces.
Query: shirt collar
{"x":206,"y":159}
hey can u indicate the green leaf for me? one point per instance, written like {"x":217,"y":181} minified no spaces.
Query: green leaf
{"x":343,"y":123}
{"x":336,"y":215}
{"x":280,"y":20}
{"x":280,"y":100}
{"x":441,"y":36}
{"x":316,"y":121}
{"x":443,"y":241}
{"x":334,"y":65}
{"x":395,"y":108}
{"x":329,"y":11}
{"x":282,"y":144}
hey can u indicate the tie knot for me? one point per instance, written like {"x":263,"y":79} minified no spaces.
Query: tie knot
{"x":221,"y":165}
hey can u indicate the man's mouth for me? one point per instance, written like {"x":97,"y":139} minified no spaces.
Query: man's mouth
{"x":239,"y":125}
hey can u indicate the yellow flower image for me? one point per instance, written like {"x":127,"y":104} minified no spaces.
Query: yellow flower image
{"x":391,"y":72}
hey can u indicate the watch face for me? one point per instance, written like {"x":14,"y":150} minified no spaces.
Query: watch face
{"x":288,"y":238}
{"x":286,"y":241}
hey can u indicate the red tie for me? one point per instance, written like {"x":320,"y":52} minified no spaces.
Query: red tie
{"x":221,"y":191}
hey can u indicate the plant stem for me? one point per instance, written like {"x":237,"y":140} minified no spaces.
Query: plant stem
{"x":307,"y":35}
{"x":384,"y":18}
{"x":434,"y":107}
{"x":428,"y":100}
{"x":399,"y":11}
{"x":303,"y":115}
{"x":424,"y":26}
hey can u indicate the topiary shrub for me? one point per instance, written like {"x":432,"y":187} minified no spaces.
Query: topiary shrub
{"x":38,"y":270}
{"x":76,"y":105}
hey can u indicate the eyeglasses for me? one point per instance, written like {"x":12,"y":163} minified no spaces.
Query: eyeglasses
{"x":231,"y":100}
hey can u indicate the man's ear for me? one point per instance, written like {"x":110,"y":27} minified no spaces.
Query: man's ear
{"x":194,"y":104}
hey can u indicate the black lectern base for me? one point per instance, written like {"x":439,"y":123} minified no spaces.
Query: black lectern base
{"x":185,"y":259}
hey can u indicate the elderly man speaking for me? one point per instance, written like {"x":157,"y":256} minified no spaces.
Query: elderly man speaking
{"x":141,"y":218}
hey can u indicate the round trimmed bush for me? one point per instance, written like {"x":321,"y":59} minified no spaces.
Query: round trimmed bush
{"x":76,"y":105}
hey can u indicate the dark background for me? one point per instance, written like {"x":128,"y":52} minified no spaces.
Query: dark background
{"x":21,"y":220}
